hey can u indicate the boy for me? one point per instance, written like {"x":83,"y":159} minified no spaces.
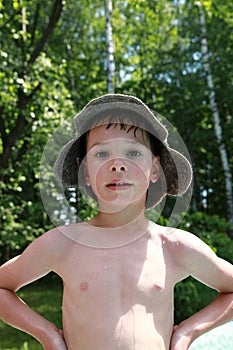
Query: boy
{"x":119,"y":269}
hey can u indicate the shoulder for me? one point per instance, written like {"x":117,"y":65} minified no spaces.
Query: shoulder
{"x":61,"y":237}
{"x":185,"y":247}
{"x":183,"y":240}
{"x":197,"y":259}
{"x":53,"y":245}
{"x":43,"y":255}
{"x":187,"y":244}
{"x":176,"y":237}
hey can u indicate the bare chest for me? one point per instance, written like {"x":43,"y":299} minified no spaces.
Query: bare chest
{"x":137,"y":272}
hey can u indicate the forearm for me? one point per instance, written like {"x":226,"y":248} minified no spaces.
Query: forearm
{"x":16,"y":313}
{"x":215,"y":314}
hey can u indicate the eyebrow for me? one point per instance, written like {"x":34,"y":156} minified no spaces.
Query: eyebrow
{"x":108,"y":143}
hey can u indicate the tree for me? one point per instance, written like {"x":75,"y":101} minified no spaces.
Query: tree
{"x":158,"y":58}
{"x":54,"y":60}
{"x":110,"y":47}
{"x":215,"y":114}
{"x":33,"y":99}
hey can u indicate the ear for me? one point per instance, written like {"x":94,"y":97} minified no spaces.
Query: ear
{"x":155,"y":174}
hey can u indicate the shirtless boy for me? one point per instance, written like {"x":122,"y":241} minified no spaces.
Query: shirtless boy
{"x":118,"y":269}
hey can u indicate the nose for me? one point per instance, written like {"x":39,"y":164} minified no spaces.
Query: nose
{"x":117,"y":165}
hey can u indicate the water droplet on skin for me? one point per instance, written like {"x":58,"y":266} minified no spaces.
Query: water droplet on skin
{"x":105,"y":267}
{"x":163,"y":242}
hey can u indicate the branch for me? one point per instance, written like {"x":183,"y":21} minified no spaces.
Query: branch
{"x":35,"y":23}
{"x":23,"y":150}
{"x":2,"y":127}
{"x":16,"y":131}
{"x":8,"y":141}
{"x":54,"y":17}
{"x":11,"y":139}
{"x":32,"y":93}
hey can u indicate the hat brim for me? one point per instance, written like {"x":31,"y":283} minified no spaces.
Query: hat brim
{"x":176,"y":174}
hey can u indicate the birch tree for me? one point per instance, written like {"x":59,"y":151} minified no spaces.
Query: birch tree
{"x":110,"y":47}
{"x":215,"y":113}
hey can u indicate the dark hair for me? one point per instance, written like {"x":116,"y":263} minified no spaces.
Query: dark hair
{"x":128,"y":120}
{"x":125,"y":119}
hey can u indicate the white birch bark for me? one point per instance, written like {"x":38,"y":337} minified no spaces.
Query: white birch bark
{"x":24,"y":21}
{"x":110,"y":47}
{"x":179,"y":12}
{"x":215,"y":113}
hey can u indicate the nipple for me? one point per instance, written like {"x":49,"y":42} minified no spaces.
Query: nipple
{"x":83,"y":286}
{"x":158,"y":287}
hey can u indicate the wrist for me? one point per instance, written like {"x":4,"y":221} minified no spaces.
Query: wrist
{"x":47,"y":337}
{"x":191,"y":332}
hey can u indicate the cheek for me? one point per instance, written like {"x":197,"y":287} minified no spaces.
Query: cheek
{"x":96,"y":173}
{"x":143,"y":170}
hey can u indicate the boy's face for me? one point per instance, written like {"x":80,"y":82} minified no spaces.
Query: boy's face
{"x":119,"y":166}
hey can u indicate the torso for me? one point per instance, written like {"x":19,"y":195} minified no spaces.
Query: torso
{"x":119,"y":298}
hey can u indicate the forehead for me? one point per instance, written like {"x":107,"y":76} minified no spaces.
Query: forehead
{"x":116,"y":131}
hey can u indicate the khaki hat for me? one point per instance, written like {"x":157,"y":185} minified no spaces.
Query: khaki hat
{"x":176,"y":171}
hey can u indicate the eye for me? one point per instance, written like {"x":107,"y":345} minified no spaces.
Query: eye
{"x":134,"y":153}
{"x":101,"y":154}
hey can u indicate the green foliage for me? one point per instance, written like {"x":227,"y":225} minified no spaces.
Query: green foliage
{"x":53,"y":61}
{"x":45,"y":297}
{"x":212,"y":229}
{"x":34,"y":100}
{"x":87,"y":208}
{"x":190,"y":297}
{"x":158,"y":58}
{"x":190,"y":294}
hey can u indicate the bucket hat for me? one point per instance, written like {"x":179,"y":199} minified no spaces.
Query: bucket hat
{"x":176,"y":170}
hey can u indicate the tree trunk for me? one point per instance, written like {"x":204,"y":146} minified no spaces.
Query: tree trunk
{"x":110,"y":47}
{"x":215,"y":114}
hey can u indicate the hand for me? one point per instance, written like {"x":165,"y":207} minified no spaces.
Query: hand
{"x":57,"y":342}
{"x":179,"y":340}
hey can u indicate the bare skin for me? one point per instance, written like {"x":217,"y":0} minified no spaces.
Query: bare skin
{"x":123,"y":289}
{"x":119,"y":298}
{"x":119,"y":270}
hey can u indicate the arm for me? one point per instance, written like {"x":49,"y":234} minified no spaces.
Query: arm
{"x":215,"y":314}
{"x":34,"y":263}
{"x":213,"y":271}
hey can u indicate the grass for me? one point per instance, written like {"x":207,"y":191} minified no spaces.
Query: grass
{"x":45,"y":297}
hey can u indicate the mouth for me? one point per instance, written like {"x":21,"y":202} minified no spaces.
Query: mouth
{"x":119,"y":185}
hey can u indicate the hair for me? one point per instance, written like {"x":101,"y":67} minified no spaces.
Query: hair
{"x":126,"y":120}
{"x":168,"y":182}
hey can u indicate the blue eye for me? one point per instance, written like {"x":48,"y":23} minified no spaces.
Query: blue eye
{"x":134,"y":153}
{"x":101,"y":154}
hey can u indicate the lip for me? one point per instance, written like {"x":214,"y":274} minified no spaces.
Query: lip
{"x":118,"y":185}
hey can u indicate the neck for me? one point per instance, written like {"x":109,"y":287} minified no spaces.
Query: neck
{"x":117,"y":229}
{"x":129,"y":216}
